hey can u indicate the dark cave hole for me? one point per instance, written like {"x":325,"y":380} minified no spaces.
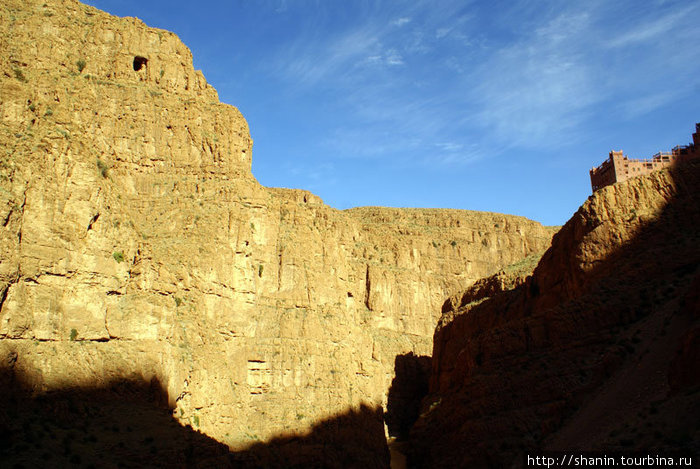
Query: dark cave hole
{"x":140,"y":62}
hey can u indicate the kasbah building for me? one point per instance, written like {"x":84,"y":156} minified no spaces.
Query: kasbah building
{"x":619,"y":168}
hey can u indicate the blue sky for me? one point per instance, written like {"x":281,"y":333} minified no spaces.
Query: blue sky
{"x":495,"y":105}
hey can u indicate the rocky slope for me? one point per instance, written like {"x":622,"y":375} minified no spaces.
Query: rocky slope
{"x":598,"y":350}
{"x":136,"y":244}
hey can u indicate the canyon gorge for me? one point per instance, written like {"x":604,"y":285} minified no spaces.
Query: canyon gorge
{"x":159,"y":307}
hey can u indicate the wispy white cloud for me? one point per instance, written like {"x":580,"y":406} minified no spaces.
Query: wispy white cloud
{"x":455,"y":154}
{"x":442,"y":32}
{"x":393,"y":57}
{"x":530,"y":78}
{"x":282,"y":7}
{"x":449,"y":146}
{"x":455,"y":28}
{"x":652,"y":29}
{"x":540,"y":89}
{"x":323,"y":62}
{"x":366,"y":39}
{"x":537,"y":88}
{"x":638,"y":106}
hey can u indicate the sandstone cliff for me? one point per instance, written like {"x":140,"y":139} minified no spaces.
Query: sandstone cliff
{"x":596,"y":351}
{"x":136,"y":245}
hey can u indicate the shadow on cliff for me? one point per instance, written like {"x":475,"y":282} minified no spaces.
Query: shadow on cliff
{"x":408,"y":388}
{"x":129,"y":424}
{"x":124,"y":424}
{"x":599,"y":356}
{"x":353,"y":439}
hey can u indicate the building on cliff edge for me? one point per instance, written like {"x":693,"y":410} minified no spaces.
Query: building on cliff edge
{"x":619,"y":168}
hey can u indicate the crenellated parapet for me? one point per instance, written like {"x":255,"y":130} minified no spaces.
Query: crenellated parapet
{"x":619,"y":167}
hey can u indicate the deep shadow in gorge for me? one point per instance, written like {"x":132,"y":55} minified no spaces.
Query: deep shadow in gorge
{"x":598,"y":358}
{"x":408,"y":388}
{"x":125,"y":424}
{"x":129,"y":424}
{"x":353,"y":439}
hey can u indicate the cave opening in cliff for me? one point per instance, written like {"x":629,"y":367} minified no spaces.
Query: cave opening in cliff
{"x":140,"y":62}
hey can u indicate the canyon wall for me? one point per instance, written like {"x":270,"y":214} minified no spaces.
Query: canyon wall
{"x":135,"y":244}
{"x":596,"y":351}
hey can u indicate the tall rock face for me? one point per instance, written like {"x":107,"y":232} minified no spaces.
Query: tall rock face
{"x":135,"y":244}
{"x":597,"y":350}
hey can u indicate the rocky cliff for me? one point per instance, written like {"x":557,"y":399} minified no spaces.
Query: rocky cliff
{"x":597,"y":350}
{"x":136,"y":245}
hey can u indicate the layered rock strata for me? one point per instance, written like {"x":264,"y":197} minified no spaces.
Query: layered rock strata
{"x":136,"y":244}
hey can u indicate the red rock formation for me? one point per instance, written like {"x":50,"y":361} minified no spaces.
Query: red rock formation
{"x":580,"y":356}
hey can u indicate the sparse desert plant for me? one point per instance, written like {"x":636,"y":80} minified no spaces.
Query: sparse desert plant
{"x":73,"y":334}
{"x":19,"y":75}
{"x":260,"y":270}
{"x":81,"y":65}
{"x":118,"y":256}
{"x":102,"y":167}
